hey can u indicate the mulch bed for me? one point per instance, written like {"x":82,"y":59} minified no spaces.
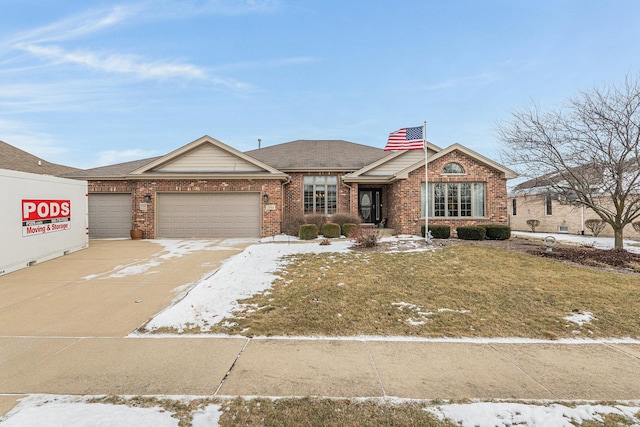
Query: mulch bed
{"x":613,"y":258}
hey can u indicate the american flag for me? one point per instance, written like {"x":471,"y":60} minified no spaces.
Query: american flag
{"x":405,"y":139}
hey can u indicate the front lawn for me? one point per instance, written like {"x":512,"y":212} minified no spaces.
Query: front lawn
{"x":459,"y":291}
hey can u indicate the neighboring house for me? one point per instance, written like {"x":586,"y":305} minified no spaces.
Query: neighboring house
{"x":209,"y":189}
{"x":13,"y":158}
{"x":533,"y":200}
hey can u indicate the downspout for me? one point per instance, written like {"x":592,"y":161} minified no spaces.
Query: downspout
{"x":284,"y":200}
{"x":350,"y":193}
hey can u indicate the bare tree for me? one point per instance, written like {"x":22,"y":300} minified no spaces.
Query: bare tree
{"x":586,"y":151}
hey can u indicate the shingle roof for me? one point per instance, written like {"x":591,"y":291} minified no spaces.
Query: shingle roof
{"x":317,"y":154}
{"x":117,"y":170}
{"x":13,"y":158}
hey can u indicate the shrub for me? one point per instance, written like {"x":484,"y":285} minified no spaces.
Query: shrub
{"x":292,"y":225}
{"x":497,"y":231}
{"x":347,"y":228}
{"x":438,"y":231}
{"x":533,"y":223}
{"x":471,"y":233}
{"x":317,"y":219}
{"x":595,"y":225}
{"x":342,"y":218}
{"x":330,"y":230}
{"x":366,"y":237}
{"x":308,"y":231}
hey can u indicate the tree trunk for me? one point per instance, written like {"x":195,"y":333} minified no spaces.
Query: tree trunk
{"x":617,"y":234}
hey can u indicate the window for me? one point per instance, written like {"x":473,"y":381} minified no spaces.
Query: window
{"x":452,"y":168}
{"x":513,"y":207}
{"x":320,"y":194}
{"x":455,"y":199}
{"x":548,"y":204}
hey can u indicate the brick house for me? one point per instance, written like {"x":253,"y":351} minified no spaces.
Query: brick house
{"x":209,"y":189}
{"x":532,"y":201}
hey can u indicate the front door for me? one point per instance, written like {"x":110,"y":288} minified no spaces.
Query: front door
{"x":370,"y":205}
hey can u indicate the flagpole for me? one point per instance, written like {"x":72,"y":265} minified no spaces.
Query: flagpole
{"x":427,"y":234}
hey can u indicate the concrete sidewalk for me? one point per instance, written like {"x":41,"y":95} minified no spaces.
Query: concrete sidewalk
{"x":333,"y":368}
{"x":63,"y":325}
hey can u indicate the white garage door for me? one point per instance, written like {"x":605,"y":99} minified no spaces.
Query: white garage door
{"x":109,"y":215}
{"x":208,"y":215}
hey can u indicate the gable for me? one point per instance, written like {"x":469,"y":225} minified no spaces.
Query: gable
{"x":456,"y":149}
{"x":387,"y":168}
{"x":207,"y":158}
{"x":397,"y":164}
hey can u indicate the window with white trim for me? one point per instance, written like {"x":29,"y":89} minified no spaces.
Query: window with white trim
{"x":320,"y":194}
{"x":455,"y":199}
{"x":451,"y":168}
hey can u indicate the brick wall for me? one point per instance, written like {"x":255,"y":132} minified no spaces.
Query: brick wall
{"x":294,"y":194}
{"x":405,"y":195}
{"x":270,"y":222}
{"x":534,"y":207}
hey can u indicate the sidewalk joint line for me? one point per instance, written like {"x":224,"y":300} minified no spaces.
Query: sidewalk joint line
{"x":620,"y":350}
{"x":508,"y":359}
{"x":231,"y":367}
{"x":41,"y":361}
{"x":375,"y":367}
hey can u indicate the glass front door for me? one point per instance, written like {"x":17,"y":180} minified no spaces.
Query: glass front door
{"x":370,"y":205}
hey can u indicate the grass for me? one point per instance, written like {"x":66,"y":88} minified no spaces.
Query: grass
{"x":324,"y":412}
{"x":460,"y":291}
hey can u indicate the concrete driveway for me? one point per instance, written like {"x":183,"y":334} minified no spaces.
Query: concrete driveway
{"x":63,"y":323}
{"x":107,"y":290}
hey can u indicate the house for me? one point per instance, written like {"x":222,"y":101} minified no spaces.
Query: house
{"x":209,"y":189}
{"x":14,"y":159}
{"x":535,"y":200}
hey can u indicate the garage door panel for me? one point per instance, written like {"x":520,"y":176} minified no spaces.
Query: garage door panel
{"x":208,"y":215}
{"x":109,"y":215}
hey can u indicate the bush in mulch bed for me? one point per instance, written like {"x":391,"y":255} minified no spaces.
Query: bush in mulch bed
{"x":615,"y":258}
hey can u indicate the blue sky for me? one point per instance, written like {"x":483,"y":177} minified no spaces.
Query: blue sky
{"x":93,"y":83}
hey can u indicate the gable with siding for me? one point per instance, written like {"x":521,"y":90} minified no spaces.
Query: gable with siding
{"x":207,"y":158}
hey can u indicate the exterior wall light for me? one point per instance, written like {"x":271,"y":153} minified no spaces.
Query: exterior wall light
{"x":265,"y":198}
{"x":147,"y":197}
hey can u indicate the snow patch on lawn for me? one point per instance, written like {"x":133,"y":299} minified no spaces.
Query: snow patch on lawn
{"x":68,"y":411}
{"x":241,"y":276}
{"x":207,"y":417}
{"x":486,"y":414}
{"x":74,"y":411}
{"x":581,"y":318}
{"x":596,"y":242}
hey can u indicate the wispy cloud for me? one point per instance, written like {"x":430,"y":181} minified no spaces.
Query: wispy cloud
{"x":482,"y":79}
{"x":117,"y":63}
{"x":47,"y":43}
{"x":76,"y":26}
